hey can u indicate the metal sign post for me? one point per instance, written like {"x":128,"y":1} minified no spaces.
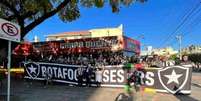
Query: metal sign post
{"x":8,"y":66}
{"x":11,"y":32}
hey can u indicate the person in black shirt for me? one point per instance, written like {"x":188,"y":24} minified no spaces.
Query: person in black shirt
{"x":88,"y":75}
{"x":80,"y":75}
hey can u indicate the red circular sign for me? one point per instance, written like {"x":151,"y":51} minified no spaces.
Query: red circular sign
{"x":10,"y":29}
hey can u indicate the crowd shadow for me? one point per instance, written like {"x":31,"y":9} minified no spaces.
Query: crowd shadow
{"x":124,"y":97}
{"x":183,"y":97}
{"x":33,"y":90}
{"x":129,"y":95}
{"x":196,"y":85}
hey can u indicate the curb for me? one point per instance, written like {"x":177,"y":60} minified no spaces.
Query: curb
{"x":196,"y":84}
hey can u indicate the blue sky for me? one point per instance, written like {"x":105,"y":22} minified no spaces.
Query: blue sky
{"x":155,"y":20}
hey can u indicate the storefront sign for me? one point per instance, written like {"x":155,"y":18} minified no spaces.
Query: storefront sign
{"x":131,"y":45}
{"x":90,"y":42}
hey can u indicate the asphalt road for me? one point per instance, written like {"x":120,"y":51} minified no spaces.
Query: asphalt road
{"x":26,"y":91}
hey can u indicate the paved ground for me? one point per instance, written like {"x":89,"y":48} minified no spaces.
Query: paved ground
{"x":23,"y":91}
{"x":196,"y":78}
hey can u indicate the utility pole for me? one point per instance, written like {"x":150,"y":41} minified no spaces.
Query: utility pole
{"x":179,"y":38}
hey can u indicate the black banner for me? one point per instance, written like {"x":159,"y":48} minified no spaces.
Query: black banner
{"x":110,"y":76}
{"x":65,"y":73}
{"x":169,"y":79}
{"x":172,"y":79}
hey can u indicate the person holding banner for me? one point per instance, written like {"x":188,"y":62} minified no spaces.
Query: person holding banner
{"x":185,"y":60}
{"x":88,"y":75}
{"x":98,"y":76}
{"x":48,"y":78}
{"x":80,"y":75}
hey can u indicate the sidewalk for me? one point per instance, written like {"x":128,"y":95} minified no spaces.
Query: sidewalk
{"x":196,"y":79}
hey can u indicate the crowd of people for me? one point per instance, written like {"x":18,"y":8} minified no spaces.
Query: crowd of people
{"x":162,"y":61}
{"x":157,"y":61}
{"x":99,"y":58}
{"x":91,"y":64}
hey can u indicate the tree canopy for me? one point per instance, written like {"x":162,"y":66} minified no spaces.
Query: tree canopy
{"x":30,"y":13}
{"x":196,"y":57}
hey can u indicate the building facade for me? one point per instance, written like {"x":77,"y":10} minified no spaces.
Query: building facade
{"x":89,"y":41}
{"x":167,"y":51}
{"x":92,"y":33}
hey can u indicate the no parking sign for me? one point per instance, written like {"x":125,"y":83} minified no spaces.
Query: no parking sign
{"x":9,"y":31}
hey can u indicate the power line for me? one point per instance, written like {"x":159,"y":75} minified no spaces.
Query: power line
{"x":194,"y":23}
{"x":185,"y":18}
{"x":191,"y":26}
{"x":173,"y":42}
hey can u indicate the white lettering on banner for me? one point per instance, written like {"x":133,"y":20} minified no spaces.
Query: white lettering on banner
{"x":70,"y":74}
{"x":49,"y":70}
{"x":112,"y":76}
{"x":75,"y":76}
{"x":60,"y":73}
{"x":149,"y":77}
{"x":55,"y":72}
{"x":120,"y":74}
{"x":106,"y":76}
{"x":43,"y":70}
{"x":65,"y":73}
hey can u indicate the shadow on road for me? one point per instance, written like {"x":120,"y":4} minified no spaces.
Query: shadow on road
{"x":196,"y":85}
{"x":33,"y":90}
{"x":124,"y":97}
{"x":12,"y":98}
{"x":183,"y":97}
{"x":23,"y":90}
